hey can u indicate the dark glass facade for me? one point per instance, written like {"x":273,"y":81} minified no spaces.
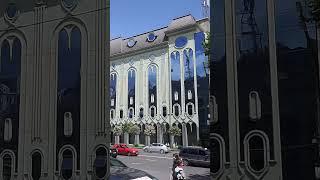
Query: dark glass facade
{"x":152,"y":83}
{"x":131,"y":88}
{"x":175,"y":78}
{"x":253,"y":69}
{"x":296,"y":57}
{"x":297,"y":60}
{"x":218,"y":85}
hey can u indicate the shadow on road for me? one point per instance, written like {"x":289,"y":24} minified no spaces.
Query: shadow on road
{"x":199,"y":177}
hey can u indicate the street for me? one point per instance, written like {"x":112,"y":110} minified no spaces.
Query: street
{"x":159,"y":165}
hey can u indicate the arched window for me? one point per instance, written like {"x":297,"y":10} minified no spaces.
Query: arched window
{"x":256,"y":153}
{"x":188,"y":74}
{"x":36,"y":166}
{"x":131,"y":113}
{"x":215,"y":158}
{"x":131,"y":88}
{"x":190,"y":109}
{"x":112,"y":114}
{"x":175,"y":77}
{"x":100,"y":163}
{"x":67,"y":164}
{"x":113,"y":89}
{"x":10,"y":73}
{"x":7,"y":130}
{"x":121,"y":114}
{"x":153,"y":111}
{"x":152,"y":82}
{"x":176,"y":110}
{"x":254,"y":105}
{"x":68,"y":86}
{"x":7,"y":167}
{"x":68,"y":124}
{"x":141,"y":113}
{"x":164,"y":111}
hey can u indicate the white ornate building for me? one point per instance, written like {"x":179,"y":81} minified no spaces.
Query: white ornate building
{"x":160,"y":78}
{"x":52,"y":112}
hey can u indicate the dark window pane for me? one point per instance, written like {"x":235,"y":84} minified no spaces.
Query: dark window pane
{"x":176,"y":110}
{"x":141,"y":113}
{"x":256,"y":152}
{"x":164,"y":111}
{"x":215,"y":157}
{"x":121,"y":114}
{"x":100,"y":163}
{"x":113,"y":88}
{"x":36,"y":166}
{"x":7,"y":167}
{"x":190,"y":109}
{"x":188,"y":74}
{"x":67,"y":164}
{"x":175,"y":77}
{"x":131,"y":87}
{"x":152,"y":82}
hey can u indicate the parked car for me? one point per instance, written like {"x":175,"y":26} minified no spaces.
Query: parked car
{"x":123,"y":149}
{"x":157,"y":147}
{"x":196,"y":156}
{"x":119,"y":171}
{"x":113,"y":152}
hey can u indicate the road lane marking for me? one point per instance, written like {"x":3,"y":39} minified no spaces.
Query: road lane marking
{"x":155,"y":157}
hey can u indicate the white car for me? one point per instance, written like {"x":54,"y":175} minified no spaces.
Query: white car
{"x":157,"y":147}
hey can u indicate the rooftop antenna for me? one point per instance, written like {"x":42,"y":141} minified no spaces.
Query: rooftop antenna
{"x":205,"y":8}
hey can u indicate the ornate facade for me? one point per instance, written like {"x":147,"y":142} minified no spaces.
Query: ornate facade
{"x":160,"y":78}
{"x":52,"y":118}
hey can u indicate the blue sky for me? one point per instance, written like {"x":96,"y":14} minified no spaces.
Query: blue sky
{"x":131,"y":17}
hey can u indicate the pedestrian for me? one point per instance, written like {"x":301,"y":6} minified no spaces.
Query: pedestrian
{"x":176,"y":161}
{"x":179,"y":173}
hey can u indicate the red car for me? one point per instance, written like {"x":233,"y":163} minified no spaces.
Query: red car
{"x":123,"y":149}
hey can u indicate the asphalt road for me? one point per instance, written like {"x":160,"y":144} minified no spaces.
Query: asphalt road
{"x":159,"y":165}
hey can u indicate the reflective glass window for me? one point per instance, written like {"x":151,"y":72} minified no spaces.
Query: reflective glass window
{"x":175,"y":77}
{"x":152,"y":82}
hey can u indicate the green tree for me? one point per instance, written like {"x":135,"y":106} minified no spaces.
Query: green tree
{"x":135,"y":129}
{"x":127,"y":127}
{"x":175,"y":131}
{"x":149,"y":130}
{"x":206,"y":44}
{"x":117,"y":130}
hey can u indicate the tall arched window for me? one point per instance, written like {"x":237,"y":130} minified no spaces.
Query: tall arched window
{"x":188,"y":74}
{"x":69,"y":87}
{"x":113,"y":90}
{"x":152,"y":82}
{"x":36,"y":166}
{"x":254,"y":105}
{"x":10,"y":74}
{"x":131,"y":88}
{"x":67,"y":164}
{"x":7,"y":167}
{"x":175,"y":78}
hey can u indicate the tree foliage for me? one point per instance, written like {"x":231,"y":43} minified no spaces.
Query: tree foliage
{"x":149,"y":130}
{"x":117,"y":130}
{"x":126,"y":127}
{"x":175,"y":131}
{"x":135,"y":129}
{"x":206,"y":44}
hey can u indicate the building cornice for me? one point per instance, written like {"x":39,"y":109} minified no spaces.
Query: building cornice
{"x":140,"y":51}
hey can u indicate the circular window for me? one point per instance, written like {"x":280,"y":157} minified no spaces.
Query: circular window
{"x":131,"y":43}
{"x":151,"y":37}
{"x":181,"y":42}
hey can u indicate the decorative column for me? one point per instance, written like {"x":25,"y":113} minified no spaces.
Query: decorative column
{"x":137,"y":139}
{"x":171,"y":141}
{"x":126,"y":138}
{"x":159,"y":134}
{"x":116,"y":139}
{"x":147,"y":140}
{"x":184,"y":135}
